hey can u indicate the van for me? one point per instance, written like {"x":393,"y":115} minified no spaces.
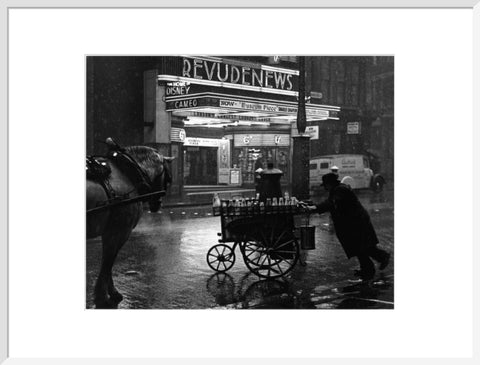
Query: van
{"x":353,"y":170}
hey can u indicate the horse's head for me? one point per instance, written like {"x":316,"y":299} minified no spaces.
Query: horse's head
{"x":162,"y":181}
{"x":157,"y":168}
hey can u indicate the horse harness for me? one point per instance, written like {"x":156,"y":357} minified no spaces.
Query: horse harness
{"x":99,"y":171}
{"x":131,"y":169}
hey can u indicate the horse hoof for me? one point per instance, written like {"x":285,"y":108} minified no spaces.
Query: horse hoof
{"x":116,"y":297}
{"x":104,"y":305}
{"x":107,"y":304}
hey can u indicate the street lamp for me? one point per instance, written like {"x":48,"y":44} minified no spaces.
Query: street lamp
{"x":301,"y":114}
{"x":301,"y":142}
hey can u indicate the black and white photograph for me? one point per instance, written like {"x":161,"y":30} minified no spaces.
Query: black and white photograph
{"x":216,"y":182}
{"x":240,"y":182}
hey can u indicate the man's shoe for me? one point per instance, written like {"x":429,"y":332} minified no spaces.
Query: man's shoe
{"x":384,"y":262}
{"x":362,"y":277}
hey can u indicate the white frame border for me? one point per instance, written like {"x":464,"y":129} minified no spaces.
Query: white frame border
{"x":10,"y":4}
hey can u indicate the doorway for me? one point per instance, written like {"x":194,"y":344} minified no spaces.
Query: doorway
{"x":200,"y":165}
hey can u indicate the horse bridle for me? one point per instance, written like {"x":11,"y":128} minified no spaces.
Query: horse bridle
{"x":159,"y":176}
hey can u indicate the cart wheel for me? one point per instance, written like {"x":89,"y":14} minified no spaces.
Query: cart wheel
{"x":220,"y":257}
{"x":270,"y":258}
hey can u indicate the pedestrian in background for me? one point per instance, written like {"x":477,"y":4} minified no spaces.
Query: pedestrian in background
{"x":258,"y":173}
{"x":352,"y":225}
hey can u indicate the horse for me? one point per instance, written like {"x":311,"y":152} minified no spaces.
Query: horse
{"x":115,"y":224}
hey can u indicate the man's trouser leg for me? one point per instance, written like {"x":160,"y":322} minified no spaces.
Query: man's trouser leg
{"x":378,"y":254}
{"x":367,"y":269}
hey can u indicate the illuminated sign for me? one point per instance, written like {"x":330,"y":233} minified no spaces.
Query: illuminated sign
{"x":228,"y":116}
{"x":261,"y":107}
{"x":318,"y":112}
{"x":275,"y":60}
{"x":265,"y":139}
{"x":182,"y":135}
{"x":177,"y":134}
{"x":252,"y":75}
{"x":312,"y":131}
{"x":177,"y":88}
{"x":186,"y":103}
{"x":202,"y":142}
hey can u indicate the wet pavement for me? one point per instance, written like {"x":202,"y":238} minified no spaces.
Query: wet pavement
{"x":163,"y":266}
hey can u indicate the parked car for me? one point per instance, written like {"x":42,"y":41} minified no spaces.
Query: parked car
{"x":353,"y":170}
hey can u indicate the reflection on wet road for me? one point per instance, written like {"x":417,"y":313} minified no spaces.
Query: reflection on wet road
{"x":163,"y":266}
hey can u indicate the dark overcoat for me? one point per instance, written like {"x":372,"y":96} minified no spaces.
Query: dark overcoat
{"x":350,"y":219}
{"x":270,"y":184}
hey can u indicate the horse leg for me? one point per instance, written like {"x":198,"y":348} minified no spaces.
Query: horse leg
{"x":102,"y":299}
{"x":115,"y":296}
{"x":106,"y":296}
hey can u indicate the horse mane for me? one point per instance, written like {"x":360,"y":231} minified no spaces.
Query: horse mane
{"x":147,"y":157}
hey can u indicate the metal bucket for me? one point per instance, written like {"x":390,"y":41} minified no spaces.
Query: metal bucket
{"x":307,"y":237}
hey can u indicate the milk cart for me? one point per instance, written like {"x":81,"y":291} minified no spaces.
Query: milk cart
{"x":264,"y":233}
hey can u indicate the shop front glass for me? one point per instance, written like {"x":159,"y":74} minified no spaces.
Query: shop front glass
{"x":249,"y":159}
{"x":200,"y":165}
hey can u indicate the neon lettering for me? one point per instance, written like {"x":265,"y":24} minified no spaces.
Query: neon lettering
{"x":233,"y":79}
{"x":186,"y":68}
{"x":197,"y":64}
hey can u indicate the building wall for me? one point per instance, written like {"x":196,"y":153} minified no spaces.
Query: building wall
{"x":364,"y":89}
{"x":362,"y":86}
{"x":115,"y":100}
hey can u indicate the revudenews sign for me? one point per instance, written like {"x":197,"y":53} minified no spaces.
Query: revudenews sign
{"x":203,"y":69}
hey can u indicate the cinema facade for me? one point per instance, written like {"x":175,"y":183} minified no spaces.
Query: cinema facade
{"x":223,"y":118}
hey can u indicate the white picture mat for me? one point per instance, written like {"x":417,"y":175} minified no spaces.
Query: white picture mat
{"x":433,"y":124}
